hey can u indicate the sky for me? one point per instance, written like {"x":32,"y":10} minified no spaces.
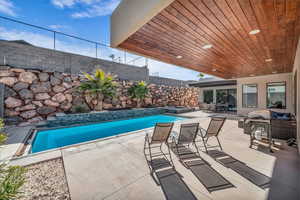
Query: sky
{"x":89,"y":19}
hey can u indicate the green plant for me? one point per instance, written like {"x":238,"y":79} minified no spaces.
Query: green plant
{"x":11,"y":177}
{"x":200,"y":75}
{"x":139,"y":91}
{"x":99,"y":85}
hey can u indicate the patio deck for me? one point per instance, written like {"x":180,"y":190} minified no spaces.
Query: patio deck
{"x":117,"y":169}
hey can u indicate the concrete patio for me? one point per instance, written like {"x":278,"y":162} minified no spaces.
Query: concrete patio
{"x":117,"y":169}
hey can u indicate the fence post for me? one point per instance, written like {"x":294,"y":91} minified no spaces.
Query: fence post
{"x":54,"y":39}
{"x":2,"y":93}
{"x":96,"y":50}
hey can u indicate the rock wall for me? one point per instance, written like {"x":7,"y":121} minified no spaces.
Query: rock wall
{"x":33,"y":95}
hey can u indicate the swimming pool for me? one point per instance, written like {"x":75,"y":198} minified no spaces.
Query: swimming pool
{"x":50,"y":139}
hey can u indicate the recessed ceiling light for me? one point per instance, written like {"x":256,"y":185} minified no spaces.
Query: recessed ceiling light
{"x":274,"y":72}
{"x":251,"y":74}
{"x":268,"y":60}
{"x":207,"y":46}
{"x":179,"y":57}
{"x":214,"y":70}
{"x":255,"y":31}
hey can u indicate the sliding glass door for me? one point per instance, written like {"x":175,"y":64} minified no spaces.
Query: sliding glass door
{"x":226,"y":98}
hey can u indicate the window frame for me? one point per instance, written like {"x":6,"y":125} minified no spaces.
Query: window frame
{"x":256,"y":103}
{"x":284,"y":82}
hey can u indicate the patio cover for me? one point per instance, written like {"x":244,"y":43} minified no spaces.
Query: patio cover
{"x":180,"y":32}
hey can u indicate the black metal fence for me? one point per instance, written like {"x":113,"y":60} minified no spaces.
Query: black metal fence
{"x":102,"y":51}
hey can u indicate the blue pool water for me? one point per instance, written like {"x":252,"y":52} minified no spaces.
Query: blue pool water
{"x":49,"y":139}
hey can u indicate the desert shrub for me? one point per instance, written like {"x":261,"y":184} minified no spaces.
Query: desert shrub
{"x":11,"y":177}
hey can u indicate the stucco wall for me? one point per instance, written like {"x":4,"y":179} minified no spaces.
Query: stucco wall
{"x":261,"y":82}
{"x":297,"y":70}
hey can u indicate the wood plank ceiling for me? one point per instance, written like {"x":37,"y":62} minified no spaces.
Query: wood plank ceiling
{"x":185,"y":26}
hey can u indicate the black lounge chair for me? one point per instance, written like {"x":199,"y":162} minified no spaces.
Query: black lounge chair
{"x":182,"y":147}
{"x":213,"y":130}
{"x":159,"y":137}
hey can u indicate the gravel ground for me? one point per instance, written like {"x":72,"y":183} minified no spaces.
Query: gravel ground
{"x":46,"y":181}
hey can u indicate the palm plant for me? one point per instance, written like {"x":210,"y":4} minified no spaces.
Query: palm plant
{"x":11,"y":177}
{"x":99,"y":85}
{"x":201,"y":75}
{"x":139,"y":91}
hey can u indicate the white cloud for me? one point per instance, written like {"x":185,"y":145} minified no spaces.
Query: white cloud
{"x":102,"y":8}
{"x":7,"y":7}
{"x":58,"y":26}
{"x":87,"y":49}
{"x":70,"y":3}
{"x":91,"y":8}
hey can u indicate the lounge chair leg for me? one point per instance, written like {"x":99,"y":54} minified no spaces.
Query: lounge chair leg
{"x":219,"y":143}
{"x":204,"y":143}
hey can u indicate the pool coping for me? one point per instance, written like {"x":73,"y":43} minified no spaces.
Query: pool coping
{"x":33,"y":158}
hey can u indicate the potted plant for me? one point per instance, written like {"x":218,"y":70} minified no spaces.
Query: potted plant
{"x":139,"y":91}
{"x":99,"y":86}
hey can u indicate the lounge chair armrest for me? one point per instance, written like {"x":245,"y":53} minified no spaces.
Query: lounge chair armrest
{"x":202,"y":132}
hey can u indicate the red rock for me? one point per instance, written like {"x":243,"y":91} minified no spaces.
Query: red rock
{"x":42,"y":96}
{"x":27,"y":77}
{"x":10,"y":81}
{"x":11,"y":102}
{"x":51,"y":103}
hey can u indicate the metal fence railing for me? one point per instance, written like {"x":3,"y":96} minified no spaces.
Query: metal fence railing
{"x":12,"y":29}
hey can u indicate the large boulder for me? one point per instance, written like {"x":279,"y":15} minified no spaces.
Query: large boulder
{"x":66,"y":106}
{"x":9,"y":92}
{"x":10,"y":81}
{"x":44,"y":76}
{"x":27,"y":77}
{"x":45,"y":110}
{"x":26,"y":94}
{"x":11,"y":113}
{"x":38,"y":103}
{"x":58,"y":75}
{"x":20,"y":85}
{"x":5,"y":73}
{"x":17,"y":70}
{"x":69,"y":97}
{"x":54,"y":80}
{"x":27,"y":107}
{"x":42,"y":96}
{"x":67,"y":85}
{"x":48,"y":102}
{"x":12,"y":102}
{"x":41,"y":87}
{"x":60,"y":97}
{"x":28,"y":114}
{"x":58,"y":89}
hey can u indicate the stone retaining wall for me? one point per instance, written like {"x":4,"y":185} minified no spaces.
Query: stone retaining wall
{"x":34,"y":95}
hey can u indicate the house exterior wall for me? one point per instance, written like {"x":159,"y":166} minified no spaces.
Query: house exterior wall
{"x":261,"y":82}
{"x":297,"y":71}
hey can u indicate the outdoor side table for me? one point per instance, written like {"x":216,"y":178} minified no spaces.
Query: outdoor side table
{"x":256,"y":124}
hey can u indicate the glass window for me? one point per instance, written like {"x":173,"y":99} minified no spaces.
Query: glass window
{"x":250,"y":96}
{"x":276,"y":95}
{"x":208,"y":96}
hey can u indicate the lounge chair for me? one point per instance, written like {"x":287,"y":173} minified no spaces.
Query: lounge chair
{"x":159,"y":137}
{"x":213,"y":130}
{"x":191,"y":159}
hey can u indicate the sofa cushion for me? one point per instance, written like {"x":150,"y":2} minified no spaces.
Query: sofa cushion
{"x":281,"y":116}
